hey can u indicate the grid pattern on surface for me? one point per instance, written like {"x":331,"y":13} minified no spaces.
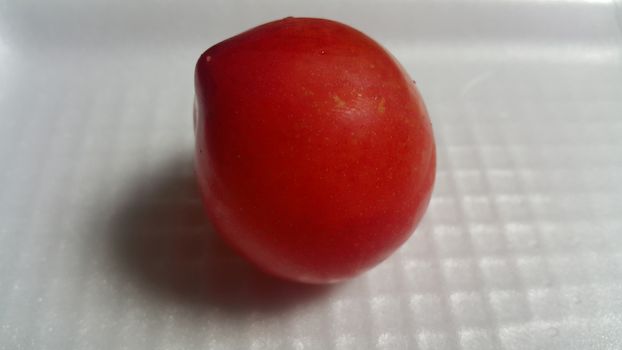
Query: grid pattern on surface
{"x":103,"y":243}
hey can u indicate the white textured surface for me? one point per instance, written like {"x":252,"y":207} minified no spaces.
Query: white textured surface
{"x":102,"y":240}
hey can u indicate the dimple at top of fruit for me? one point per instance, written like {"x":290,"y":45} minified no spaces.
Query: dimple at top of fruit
{"x":315,"y":155}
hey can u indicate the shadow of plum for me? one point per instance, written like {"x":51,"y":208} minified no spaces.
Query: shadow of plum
{"x":161,"y":240}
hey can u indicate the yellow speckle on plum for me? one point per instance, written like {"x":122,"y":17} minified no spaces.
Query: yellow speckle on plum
{"x":381,"y":107}
{"x":338,"y":101}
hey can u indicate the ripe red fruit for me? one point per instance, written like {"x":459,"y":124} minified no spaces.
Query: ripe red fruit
{"x":314,"y":151}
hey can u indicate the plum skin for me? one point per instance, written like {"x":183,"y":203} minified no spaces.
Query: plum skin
{"x":315,"y":155}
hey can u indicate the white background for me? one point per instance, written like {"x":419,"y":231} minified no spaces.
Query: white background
{"x":103,"y":244}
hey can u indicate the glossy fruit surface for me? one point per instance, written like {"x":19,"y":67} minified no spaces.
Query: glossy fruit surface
{"x":314,"y":152}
